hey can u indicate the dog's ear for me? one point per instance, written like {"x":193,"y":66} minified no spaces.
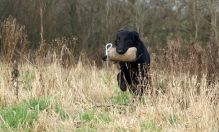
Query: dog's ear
{"x":135,"y":36}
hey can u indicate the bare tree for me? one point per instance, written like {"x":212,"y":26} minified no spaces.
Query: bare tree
{"x":213,"y":6}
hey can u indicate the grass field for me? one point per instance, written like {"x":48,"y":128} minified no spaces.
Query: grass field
{"x":87,"y":98}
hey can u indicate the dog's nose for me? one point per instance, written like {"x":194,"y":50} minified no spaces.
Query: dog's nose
{"x":120,"y":51}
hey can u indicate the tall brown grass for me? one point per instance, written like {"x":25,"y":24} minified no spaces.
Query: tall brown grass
{"x":89,"y":90}
{"x":13,"y":40}
{"x":184,"y":75}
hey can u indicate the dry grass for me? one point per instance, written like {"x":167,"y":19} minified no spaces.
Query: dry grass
{"x":13,"y":40}
{"x":59,"y":94}
{"x":85,"y":98}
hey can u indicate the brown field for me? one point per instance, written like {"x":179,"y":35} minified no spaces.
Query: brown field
{"x":53,"y":85}
{"x":87,"y":98}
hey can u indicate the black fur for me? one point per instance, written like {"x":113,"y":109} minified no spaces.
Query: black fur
{"x":126,"y":39}
{"x":133,"y":75}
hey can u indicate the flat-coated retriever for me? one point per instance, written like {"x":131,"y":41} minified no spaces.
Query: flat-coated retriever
{"x":133,"y":76}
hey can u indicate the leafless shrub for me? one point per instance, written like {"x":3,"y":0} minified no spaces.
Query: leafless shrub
{"x":194,"y":59}
{"x":212,"y":63}
{"x":64,"y":48}
{"x":13,"y":40}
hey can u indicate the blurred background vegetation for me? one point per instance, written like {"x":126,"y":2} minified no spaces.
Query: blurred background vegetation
{"x":177,"y":33}
{"x":95,"y":22}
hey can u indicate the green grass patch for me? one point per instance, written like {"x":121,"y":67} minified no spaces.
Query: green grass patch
{"x":22,"y":114}
{"x":87,"y":116}
{"x":149,"y":126}
{"x":121,"y":98}
{"x":172,"y":119}
{"x":102,"y":117}
{"x":61,"y":112}
{"x":38,"y":104}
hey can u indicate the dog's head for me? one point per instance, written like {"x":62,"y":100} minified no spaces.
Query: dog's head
{"x":125,"y":39}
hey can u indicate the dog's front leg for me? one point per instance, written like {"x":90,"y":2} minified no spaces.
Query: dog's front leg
{"x":121,"y":81}
{"x":123,"y":77}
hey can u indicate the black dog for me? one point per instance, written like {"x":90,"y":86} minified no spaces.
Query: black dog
{"x":133,"y":75}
